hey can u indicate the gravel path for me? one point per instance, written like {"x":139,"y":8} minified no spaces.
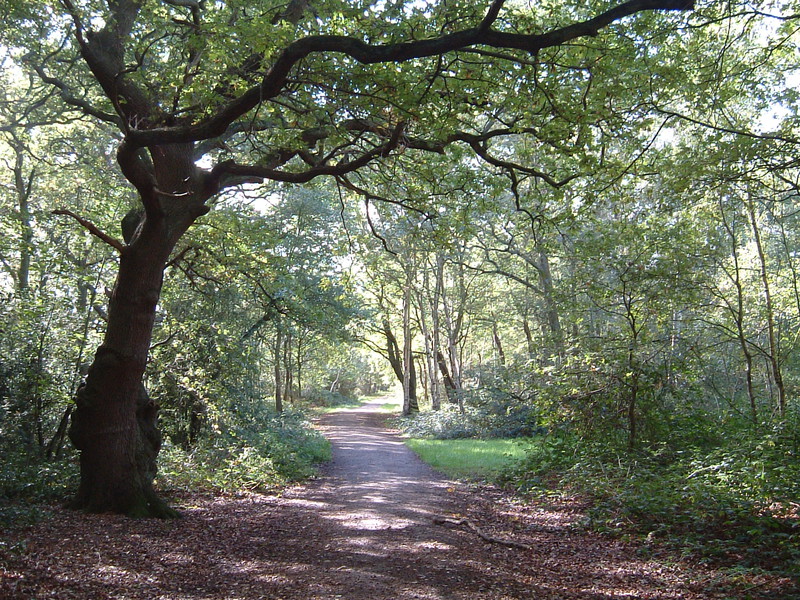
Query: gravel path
{"x":375,"y":508}
{"x":363,"y":531}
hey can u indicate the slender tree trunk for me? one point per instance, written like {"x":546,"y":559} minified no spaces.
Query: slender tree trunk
{"x":449,"y":384}
{"x":551,"y":309}
{"x":430,"y":364}
{"x":433,"y":379}
{"x":288,"y":393}
{"x":393,"y":351}
{"x":453,"y":320}
{"x":790,"y":258}
{"x":57,"y":441}
{"x":410,"y":403}
{"x":498,"y":345}
{"x":436,"y":334}
{"x":633,"y":366}
{"x":773,"y":356}
{"x":23,"y":187}
{"x":38,"y":399}
{"x":299,"y":366}
{"x":530,"y":344}
{"x":633,"y":399}
{"x":278,"y":358}
{"x":738,"y":313}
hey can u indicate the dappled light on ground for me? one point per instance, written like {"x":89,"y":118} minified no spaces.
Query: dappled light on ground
{"x":365,"y":530}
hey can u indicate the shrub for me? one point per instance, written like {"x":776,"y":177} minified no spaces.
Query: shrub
{"x":27,"y":482}
{"x":274,"y":450}
{"x":732,"y":504}
{"x":488,"y":413}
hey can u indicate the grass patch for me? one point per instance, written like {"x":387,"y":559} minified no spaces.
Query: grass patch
{"x":470,"y":459}
{"x":391,"y":406}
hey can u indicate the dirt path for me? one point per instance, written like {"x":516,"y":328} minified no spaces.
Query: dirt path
{"x":363,"y":531}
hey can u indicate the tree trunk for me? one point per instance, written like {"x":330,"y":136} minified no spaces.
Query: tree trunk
{"x":498,"y":344}
{"x":453,"y":318}
{"x":430,"y":365}
{"x":23,"y":187}
{"x":413,"y":402}
{"x":449,"y":384}
{"x":288,"y":393}
{"x":737,"y":311}
{"x":278,"y":360}
{"x":410,"y":403}
{"x":299,"y":366}
{"x":551,"y":308}
{"x":396,"y":360}
{"x":773,"y":356}
{"x":114,"y":422}
{"x":530,"y":344}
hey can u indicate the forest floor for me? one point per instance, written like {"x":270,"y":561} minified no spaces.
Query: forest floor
{"x":377,"y":525}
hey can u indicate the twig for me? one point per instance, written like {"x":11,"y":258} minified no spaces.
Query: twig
{"x":93,"y":229}
{"x":438,"y":520}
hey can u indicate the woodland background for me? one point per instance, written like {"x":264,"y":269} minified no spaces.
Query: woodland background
{"x":618,"y":284}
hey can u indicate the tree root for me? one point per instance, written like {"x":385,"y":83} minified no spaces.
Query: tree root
{"x":439,"y":520}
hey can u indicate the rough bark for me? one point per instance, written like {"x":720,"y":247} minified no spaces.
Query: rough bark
{"x":114,"y":422}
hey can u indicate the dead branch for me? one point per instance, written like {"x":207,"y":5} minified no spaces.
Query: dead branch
{"x":439,"y":520}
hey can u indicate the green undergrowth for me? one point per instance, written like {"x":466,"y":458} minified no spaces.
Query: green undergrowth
{"x":28,"y":484}
{"x":271,"y":451}
{"x":325,"y":402}
{"x":470,"y":459}
{"x":734,"y":505}
{"x":278,"y":449}
{"x":490,"y":420}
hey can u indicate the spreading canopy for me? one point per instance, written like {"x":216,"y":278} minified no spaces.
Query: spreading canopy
{"x":292,"y":92}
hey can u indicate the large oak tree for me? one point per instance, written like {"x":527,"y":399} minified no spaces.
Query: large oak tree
{"x":209,"y":94}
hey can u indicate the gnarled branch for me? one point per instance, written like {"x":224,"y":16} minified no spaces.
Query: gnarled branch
{"x":93,"y":229}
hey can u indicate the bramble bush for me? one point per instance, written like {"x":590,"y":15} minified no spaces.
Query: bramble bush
{"x":28,"y":482}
